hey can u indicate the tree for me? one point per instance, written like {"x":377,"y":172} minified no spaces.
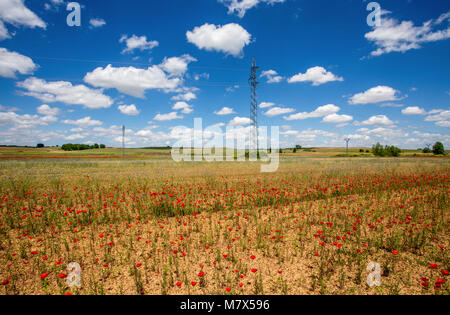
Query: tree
{"x":298,"y":147}
{"x":40,"y":145}
{"x":378,"y":150}
{"x":438,"y":148}
{"x":96,"y":146}
{"x":295,"y":150}
{"x":102,"y":146}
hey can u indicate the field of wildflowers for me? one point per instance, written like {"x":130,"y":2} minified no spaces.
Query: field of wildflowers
{"x":159,"y":227}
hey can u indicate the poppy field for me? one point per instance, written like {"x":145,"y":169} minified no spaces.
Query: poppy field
{"x":156,"y":227}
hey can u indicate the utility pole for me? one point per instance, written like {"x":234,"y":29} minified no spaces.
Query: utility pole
{"x":123,"y":141}
{"x":254,"y":108}
{"x":347,"y":140}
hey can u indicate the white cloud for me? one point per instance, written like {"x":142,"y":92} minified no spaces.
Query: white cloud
{"x":15,"y":12}
{"x":394,"y":36}
{"x":441,"y":119}
{"x":377,"y":120}
{"x":97,"y":22}
{"x":414,"y":110}
{"x":130,"y":80}
{"x":240,"y":121}
{"x":225,"y":111}
{"x":24,"y":121}
{"x":276,"y":111}
{"x":47,"y":110}
{"x":240,"y":7}
{"x":137,"y":42}
{"x":266,"y":105}
{"x":271,"y":76}
{"x":185,"y":107}
{"x":229,"y":39}
{"x":189,"y":96}
{"x":316,"y":75}
{"x":177,"y":66}
{"x":65,"y":92}
{"x":12,"y":62}
{"x":337,"y":119}
{"x":83,"y":122}
{"x":76,"y":136}
{"x":375,"y":95}
{"x":321,"y":111}
{"x":129,"y":110}
{"x":166,"y":117}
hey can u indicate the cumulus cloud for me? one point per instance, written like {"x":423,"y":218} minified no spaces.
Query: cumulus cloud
{"x":229,"y":39}
{"x":177,"y":66}
{"x":413,"y":110}
{"x":277,"y":111}
{"x":24,"y":121}
{"x":83,"y":122}
{"x":375,"y":95}
{"x":316,"y":75}
{"x":441,"y":118}
{"x":130,"y":80}
{"x":137,"y":42}
{"x":266,"y":104}
{"x":97,"y":22}
{"x":377,"y":120}
{"x":337,"y":119}
{"x":321,"y":111}
{"x":189,"y":96}
{"x":394,"y":36}
{"x":12,"y":63}
{"x":240,"y":7}
{"x":47,"y":110}
{"x":167,"y":117}
{"x":65,"y":92}
{"x":240,"y":121}
{"x":129,"y":110}
{"x":184,"y":107}
{"x":271,"y":76}
{"x":15,"y":12}
{"x":225,"y":111}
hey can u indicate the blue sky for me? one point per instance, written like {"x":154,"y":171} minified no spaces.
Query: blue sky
{"x":325,"y":74}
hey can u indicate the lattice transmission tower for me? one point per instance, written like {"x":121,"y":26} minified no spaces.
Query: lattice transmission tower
{"x":254,"y":107}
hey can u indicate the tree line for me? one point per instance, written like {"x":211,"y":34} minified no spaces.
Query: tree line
{"x":81,"y":147}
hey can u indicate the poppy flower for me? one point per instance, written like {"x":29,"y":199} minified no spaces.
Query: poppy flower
{"x":254,"y":270}
{"x":44,"y":275}
{"x":138,"y":265}
{"x":62,"y":276}
{"x":433,"y":266}
{"x":444,"y":272}
{"x":201,"y":274}
{"x":228,"y":289}
{"x":252,"y":257}
{"x":179,"y":284}
{"x":394,"y":252}
{"x":193,"y":283}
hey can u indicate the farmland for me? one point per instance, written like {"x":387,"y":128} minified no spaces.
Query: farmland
{"x":153,"y":226}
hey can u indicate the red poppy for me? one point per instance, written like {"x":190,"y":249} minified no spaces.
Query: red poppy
{"x":201,"y":274}
{"x":228,"y":289}
{"x":179,"y":284}
{"x":193,"y":283}
{"x":254,"y":270}
{"x":62,"y":276}
{"x":44,"y":275}
{"x":395,"y":252}
{"x":252,"y":257}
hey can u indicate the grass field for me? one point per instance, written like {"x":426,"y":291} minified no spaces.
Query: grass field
{"x":153,"y":226}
